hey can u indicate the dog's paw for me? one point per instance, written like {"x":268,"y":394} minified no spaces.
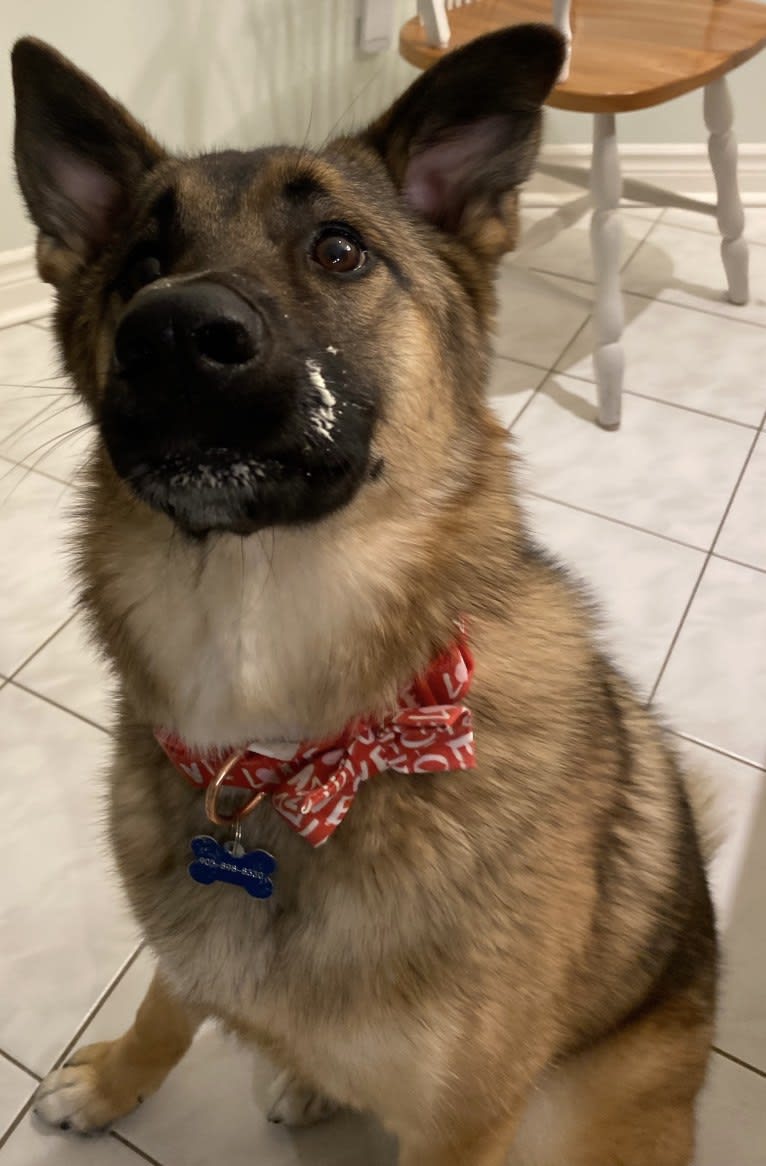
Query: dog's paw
{"x":76,"y":1096}
{"x":293,"y":1104}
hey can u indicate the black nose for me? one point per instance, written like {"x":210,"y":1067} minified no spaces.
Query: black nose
{"x":202,"y":327}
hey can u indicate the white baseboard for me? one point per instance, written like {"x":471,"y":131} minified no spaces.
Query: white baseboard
{"x":681,"y":170}
{"x":23,"y":296}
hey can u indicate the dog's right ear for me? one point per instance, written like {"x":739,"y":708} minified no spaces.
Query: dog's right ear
{"x":464,"y":136}
{"x":79,"y":155}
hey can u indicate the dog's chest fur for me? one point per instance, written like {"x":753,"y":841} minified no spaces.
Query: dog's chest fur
{"x":243,"y":639}
{"x":299,"y":973}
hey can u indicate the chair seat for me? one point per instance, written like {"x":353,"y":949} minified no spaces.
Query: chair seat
{"x":627,"y":54}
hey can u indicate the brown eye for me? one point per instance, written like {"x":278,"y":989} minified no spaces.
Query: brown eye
{"x":338,"y":251}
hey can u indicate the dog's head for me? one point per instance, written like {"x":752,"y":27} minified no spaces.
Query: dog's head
{"x":262,"y":335}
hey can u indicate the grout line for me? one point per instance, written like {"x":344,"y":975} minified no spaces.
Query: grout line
{"x":693,"y":308}
{"x":28,"y":659}
{"x":112,"y":1134}
{"x":550,"y":372}
{"x":651,"y":299}
{"x":525,"y":406}
{"x":708,"y":557}
{"x":739,"y":562}
{"x":96,"y":1008}
{"x":571,"y":340}
{"x":738,"y":1061}
{"x":737,"y":485}
{"x":714,"y":235}
{"x":532,"y":396}
{"x":18,"y":1119}
{"x":527,"y":254}
{"x":718,"y":749}
{"x":661,"y":400}
{"x":110,"y":988}
{"x":19,"y":1065}
{"x":617,"y":521}
{"x":547,"y":271}
{"x":637,"y":248}
{"x":130,"y":1146}
{"x":61,"y":707}
{"x":525,"y":363}
{"x":677,"y":632}
{"x":690,"y":409}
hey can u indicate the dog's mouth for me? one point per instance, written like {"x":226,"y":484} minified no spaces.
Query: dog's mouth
{"x":229,"y":490}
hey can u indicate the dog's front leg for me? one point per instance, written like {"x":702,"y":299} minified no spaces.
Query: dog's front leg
{"x":102,"y":1082}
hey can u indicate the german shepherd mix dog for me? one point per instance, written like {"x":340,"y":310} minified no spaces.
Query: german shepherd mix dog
{"x":300,"y":550}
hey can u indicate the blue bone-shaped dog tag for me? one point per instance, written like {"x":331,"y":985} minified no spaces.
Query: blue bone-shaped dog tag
{"x":214,"y":864}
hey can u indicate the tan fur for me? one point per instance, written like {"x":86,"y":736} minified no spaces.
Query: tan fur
{"x":628,"y":1099}
{"x":523,"y":953}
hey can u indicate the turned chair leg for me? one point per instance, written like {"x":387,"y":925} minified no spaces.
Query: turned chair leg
{"x":722,"y":147}
{"x":562,"y":21}
{"x":605,"y":236}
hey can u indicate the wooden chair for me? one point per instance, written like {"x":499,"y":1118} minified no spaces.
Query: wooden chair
{"x":624,"y":55}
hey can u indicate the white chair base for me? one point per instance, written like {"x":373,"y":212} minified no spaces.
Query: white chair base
{"x":606,"y":189}
{"x":722,"y":148}
{"x":605,"y":238}
{"x":606,"y":186}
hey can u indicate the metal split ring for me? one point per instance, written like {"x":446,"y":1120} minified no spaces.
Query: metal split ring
{"x":213,"y":790}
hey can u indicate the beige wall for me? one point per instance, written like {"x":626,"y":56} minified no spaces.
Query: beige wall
{"x":203,"y":73}
{"x":680,"y":120}
{"x":246,"y":72}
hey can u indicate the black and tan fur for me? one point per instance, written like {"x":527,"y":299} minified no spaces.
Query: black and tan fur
{"x":521,"y":957}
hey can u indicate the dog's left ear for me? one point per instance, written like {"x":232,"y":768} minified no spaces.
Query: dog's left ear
{"x":466,"y":133}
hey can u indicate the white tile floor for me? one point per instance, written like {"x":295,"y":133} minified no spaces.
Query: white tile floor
{"x":664,"y":518}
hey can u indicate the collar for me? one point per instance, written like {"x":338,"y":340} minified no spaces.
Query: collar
{"x":312,"y":785}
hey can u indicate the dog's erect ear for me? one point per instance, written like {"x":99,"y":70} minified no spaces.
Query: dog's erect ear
{"x":466,"y":133}
{"x":79,"y":155}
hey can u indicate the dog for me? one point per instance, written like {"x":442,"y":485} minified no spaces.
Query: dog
{"x":380,"y":804}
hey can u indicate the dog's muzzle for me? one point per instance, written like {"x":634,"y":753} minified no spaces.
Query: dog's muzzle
{"x":220,"y":412}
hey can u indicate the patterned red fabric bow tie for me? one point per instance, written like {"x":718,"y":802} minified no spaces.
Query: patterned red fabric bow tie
{"x":313,"y":787}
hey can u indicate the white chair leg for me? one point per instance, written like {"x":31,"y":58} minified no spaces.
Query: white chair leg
{"x":562,"y":21}
{"x":433,"y":16}
{"x":722,"y":147}
{"x":605,"y":236}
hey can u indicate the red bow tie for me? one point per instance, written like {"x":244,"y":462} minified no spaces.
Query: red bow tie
{"x":314,"y":787}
